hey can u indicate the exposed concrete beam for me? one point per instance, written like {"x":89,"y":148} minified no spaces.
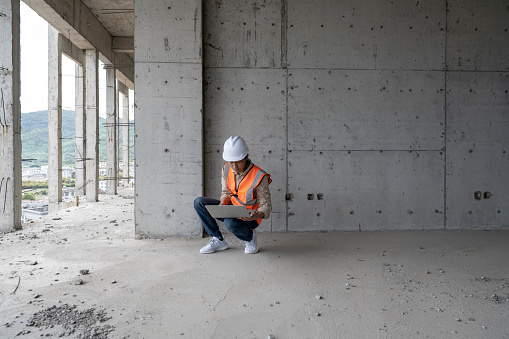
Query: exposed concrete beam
{"x":123,"y":89}
{"x":125,"y":69}
{"x":72,"y":51}
{"x":74,"y":20}
{"x":123,"y":44}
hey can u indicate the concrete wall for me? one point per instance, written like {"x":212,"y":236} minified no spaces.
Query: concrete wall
{"x":370,"y":115}
{"x":168,"y":108}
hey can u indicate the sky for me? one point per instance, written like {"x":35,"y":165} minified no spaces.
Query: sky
{"x":34,"y":68}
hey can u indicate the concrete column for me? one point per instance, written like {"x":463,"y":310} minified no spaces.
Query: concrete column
{"x":123,"y":92}
{"x":117,"y":139}
{"x":111,"y":132}
{"x":169,"y":137}
{"x":125,"y":138}
{"x":79,"y":119}
{"x":10,"y":117}
{"x":92,"y":123}
{"x":54,"y":119}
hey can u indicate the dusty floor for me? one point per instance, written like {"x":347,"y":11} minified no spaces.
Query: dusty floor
{"x":300,"y":285}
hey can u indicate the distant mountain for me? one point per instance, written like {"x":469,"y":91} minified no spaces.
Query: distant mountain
{"x":34,"y":138}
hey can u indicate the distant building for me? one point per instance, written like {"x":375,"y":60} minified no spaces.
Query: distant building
{"x":41,"y":173}
{"x":68,"y":193}
{"x":67,"y":172}
{"x":29,"y":171}
{"x":33,"y":210}
{"x":103,"y":169}
{"x":39,"y":177}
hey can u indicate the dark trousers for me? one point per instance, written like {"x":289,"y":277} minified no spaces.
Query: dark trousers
{"x":240,"y":228}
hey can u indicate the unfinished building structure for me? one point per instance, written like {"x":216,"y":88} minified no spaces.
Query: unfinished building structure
{"x":369,"y":115}
{"x":76,"y":32}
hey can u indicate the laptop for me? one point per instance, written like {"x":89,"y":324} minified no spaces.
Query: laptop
{"x":228,"y":211}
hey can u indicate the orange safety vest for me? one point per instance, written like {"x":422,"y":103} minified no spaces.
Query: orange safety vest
{"x":244,"y":193}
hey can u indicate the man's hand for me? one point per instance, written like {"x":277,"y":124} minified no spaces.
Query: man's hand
{"x":254,"y":216}
{"x":225,"y":201}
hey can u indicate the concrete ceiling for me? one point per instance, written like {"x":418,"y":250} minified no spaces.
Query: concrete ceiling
{"x":104,"y":25}
{"x":117,"y":16}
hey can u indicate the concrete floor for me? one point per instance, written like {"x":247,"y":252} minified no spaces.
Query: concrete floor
{"x":300,"y":285}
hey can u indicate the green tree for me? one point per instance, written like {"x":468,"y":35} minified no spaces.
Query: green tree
{"x":27,"y":184}
{"x":28,"y":196}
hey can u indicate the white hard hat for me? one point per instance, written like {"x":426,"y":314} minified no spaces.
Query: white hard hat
{"x":235,"y":149}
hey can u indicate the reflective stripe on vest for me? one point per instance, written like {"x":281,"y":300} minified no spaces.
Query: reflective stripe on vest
{"x":255,"y":175}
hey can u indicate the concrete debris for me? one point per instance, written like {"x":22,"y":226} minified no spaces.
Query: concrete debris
{"x":79,"y":324}
{"x":23,"y":333}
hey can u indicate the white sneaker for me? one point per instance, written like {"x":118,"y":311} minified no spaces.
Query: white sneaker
{"x":213,"y":245}
{"x":251,"y":246}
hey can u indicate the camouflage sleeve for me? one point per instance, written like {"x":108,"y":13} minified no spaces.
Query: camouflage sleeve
{"x":225,"y":192}
{"x":263,"y":194}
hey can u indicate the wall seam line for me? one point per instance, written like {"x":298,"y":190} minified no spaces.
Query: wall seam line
{"x":284,"y":65}
{"x":445,"y":116}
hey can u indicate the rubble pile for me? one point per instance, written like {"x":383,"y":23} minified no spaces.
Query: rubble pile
{"x":81,"y":324}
